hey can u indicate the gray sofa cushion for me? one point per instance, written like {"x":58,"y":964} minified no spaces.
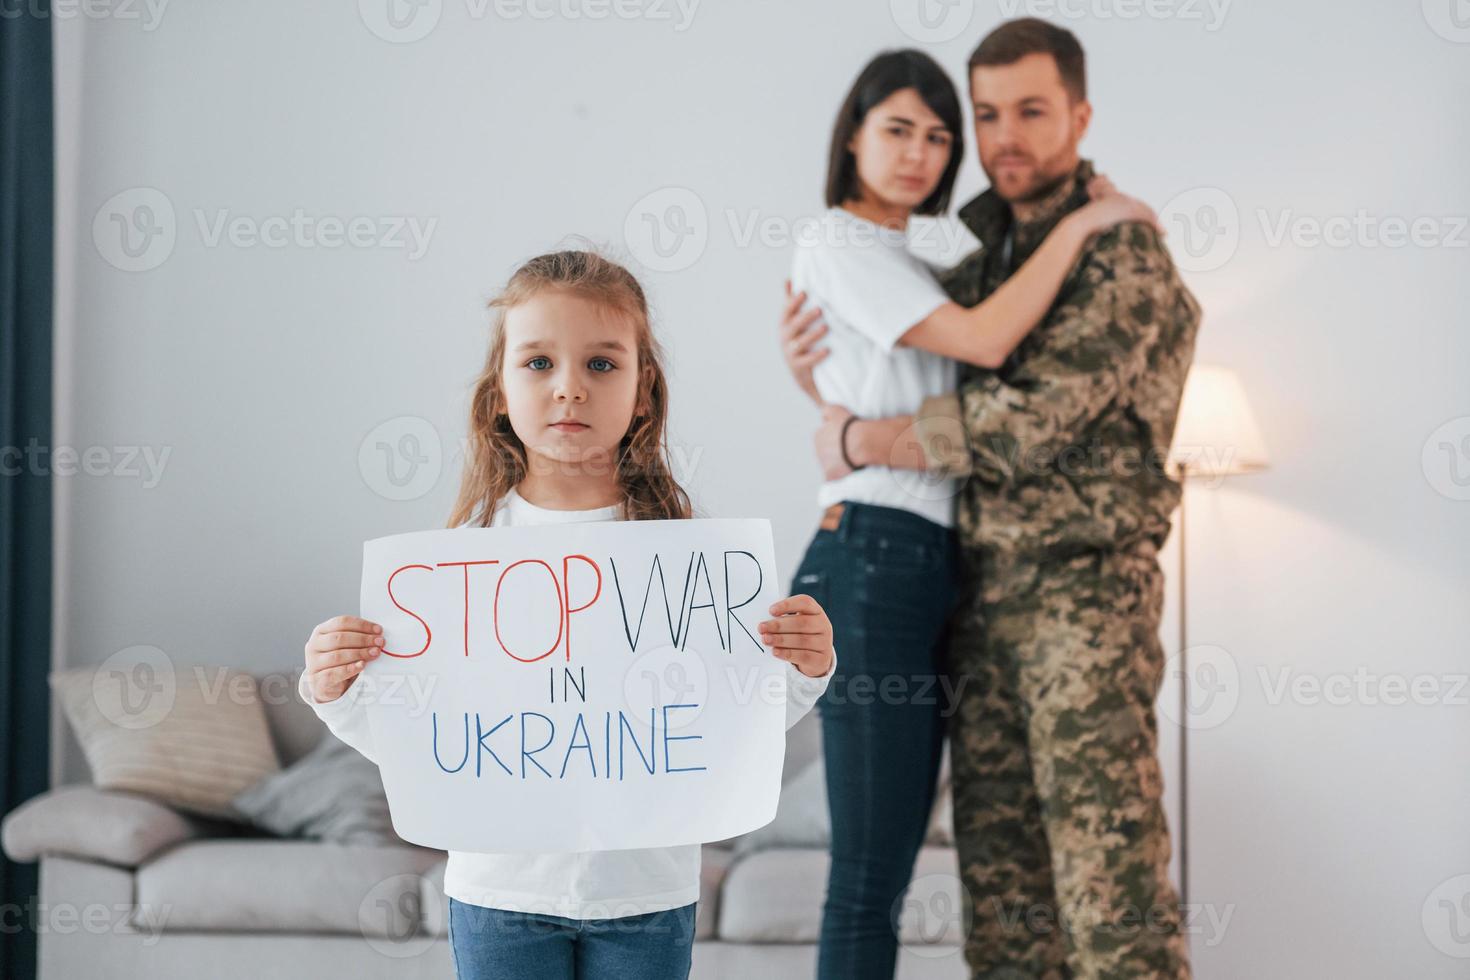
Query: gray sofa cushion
{"x":267,"y":885}
{"x":714,"y":864}
{"x":802,"y":818}
{"x":714,"y":861}
{"x":102,"y":825}
{"x":295,"y":729}
{"x":776,"y":896}
{"x":433,"y":900}
{"x":333,"y":794}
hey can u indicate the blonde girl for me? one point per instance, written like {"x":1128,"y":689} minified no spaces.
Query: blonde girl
{"x":567,"y":425}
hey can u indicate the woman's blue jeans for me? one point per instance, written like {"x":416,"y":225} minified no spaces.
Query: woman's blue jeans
{"x":887,"y":579}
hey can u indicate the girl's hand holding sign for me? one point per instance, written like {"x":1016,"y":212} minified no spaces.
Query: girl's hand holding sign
{"x":803,"y":634}
{"x":336,"y":652}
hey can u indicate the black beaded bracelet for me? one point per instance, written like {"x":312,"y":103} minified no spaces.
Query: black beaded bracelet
{"x":842,"y":442}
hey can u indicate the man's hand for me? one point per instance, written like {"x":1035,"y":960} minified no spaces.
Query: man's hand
{"x":800,"y":332}
{"x":828,"y":442}
{"x":802,"y":635}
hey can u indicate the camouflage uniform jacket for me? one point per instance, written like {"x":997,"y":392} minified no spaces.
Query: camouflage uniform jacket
{"x":1066,"y":443}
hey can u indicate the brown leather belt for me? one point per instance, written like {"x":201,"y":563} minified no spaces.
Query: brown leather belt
{"x":832,"y":516}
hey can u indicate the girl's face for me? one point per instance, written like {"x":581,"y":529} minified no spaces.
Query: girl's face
{"x":570,"y":377}
{"x":901,"y":150}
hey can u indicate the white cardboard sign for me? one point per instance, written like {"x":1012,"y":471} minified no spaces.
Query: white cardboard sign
{"x":575,"y":687}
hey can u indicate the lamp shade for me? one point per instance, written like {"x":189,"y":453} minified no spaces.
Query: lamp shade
{"x":1216,"y":433}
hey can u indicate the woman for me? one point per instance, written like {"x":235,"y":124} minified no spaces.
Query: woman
{"x":884,"y":560}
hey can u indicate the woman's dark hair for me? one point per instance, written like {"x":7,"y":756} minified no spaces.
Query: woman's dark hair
{"x":890,"y":72}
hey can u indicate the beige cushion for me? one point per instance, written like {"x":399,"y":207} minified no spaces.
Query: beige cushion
{"x":192,"y":738}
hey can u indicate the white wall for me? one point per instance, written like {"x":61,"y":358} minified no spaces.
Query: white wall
{"x":1320,"y":829}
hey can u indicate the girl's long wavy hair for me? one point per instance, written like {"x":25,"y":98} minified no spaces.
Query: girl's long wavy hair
{"x":495,"y":462}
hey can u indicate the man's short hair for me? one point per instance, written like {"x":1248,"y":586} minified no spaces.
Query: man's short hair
{"x":1015,"y":39}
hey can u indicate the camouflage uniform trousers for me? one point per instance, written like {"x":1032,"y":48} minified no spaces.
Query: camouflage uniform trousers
{"x":1062,"y":840}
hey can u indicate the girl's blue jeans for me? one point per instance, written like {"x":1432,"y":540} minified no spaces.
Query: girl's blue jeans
{"x":493,"y":944}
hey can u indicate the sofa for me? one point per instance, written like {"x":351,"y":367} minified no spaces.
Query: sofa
{"x":130,"y":887}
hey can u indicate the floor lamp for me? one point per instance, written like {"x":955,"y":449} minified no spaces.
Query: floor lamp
{"x":1215,"y":437}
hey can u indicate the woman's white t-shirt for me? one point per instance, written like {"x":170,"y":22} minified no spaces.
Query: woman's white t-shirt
{"x":871,"y":290}
{"x":575,"y":885}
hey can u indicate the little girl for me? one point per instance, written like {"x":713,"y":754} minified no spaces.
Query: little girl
{"x":567,"y":425}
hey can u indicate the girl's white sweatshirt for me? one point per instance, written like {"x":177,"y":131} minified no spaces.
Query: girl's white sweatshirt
{"x":582,"y":885}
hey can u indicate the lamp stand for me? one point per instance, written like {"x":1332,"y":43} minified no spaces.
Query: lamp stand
{"x":1183,"y":698}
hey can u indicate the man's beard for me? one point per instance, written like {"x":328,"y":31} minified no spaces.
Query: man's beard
{"x":1049,"y":175}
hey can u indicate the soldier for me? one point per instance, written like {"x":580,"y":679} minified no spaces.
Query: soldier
{"x":1061,"y":834}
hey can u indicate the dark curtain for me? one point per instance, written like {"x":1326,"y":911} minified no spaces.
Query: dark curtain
{"x":25,"y":420}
